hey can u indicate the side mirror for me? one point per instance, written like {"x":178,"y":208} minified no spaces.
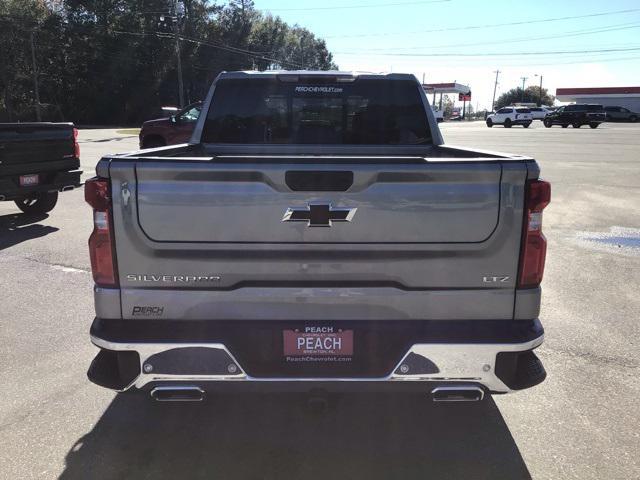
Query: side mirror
{"x":173,"y":119}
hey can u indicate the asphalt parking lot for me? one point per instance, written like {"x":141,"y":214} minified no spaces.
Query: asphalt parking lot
{"x":580,"y":423}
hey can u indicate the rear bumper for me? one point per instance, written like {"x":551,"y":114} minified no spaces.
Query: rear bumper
{"x":482,"y":353}
{"x":10,"y":188}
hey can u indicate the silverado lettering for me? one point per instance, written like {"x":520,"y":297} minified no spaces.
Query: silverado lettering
{"x":172,"y":278}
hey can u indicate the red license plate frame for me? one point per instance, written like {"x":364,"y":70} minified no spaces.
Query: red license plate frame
{"x":29,"y":180}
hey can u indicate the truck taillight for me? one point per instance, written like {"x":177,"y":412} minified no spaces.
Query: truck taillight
{"x":101,"y":245}
{"x":534,"y":245}
{"x":76,"y":145}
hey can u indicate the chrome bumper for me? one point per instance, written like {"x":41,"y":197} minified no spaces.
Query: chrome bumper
{"x":465,"y":363}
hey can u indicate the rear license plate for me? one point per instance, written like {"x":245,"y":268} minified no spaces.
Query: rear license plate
{"x":28,"y":180}
{"x":318,"y":341}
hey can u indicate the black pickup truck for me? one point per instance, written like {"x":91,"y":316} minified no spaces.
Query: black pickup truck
{"x":38,"y":160}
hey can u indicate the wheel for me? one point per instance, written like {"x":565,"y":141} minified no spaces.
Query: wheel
{"x":153,"y":142}
{"x":593,"y":125}
{"x":526,"y":125}
{"x":507,"y":123}
{"x":38,"y":203}
{"x":576,"y":125}
{"x":489,"y":123}
{"x":564,"y":125}
{"x":633,"y":119}
{"x":547,"y":123}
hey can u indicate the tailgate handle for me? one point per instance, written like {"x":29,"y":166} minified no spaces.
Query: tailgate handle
{"x":319,"y":181}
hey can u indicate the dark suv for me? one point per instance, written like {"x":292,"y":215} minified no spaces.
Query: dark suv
{"x":620,"y":114}
{"x":576,"y":115}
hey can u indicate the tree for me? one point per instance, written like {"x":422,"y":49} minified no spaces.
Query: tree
{"x":114,"y":61}
{"x":531,"y":95}
{"x":447,"y":106}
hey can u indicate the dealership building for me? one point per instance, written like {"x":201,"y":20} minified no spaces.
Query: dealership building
{"x":627,"y":97}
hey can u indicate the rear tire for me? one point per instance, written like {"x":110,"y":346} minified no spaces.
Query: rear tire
{"x":593,"y":125}
{"x":547,"y":123}
{"x":564,"y":125}
{"x":489,"y":123}
{"x":507,"y":123}
{"x":633,"y":119}
{"x":38,"y":203}
{"x":576,"y":125}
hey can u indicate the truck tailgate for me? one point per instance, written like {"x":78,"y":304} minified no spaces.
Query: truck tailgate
{"x":29,"y":143}
{"x":207,"y":203}
{"x":211,"y":239}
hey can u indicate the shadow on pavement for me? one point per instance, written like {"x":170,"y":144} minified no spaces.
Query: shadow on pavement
{"x":278,"y":437}
{"x":20,"y":227}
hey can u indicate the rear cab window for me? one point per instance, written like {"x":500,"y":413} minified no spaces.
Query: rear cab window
{"x":362,"y":112}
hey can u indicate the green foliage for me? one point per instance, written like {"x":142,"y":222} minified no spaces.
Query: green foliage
{"x":114,"y":61}
{"x":531,"y":95}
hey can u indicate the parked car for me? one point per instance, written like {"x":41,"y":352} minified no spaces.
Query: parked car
{"x":509,"y":116}
{"x":38,"y":160}
{"x":170,"y":130}
{"x":538,"y":113}
{"x":439,"y":114}
{"x":620,"y":114}
{"x":321,"y":248}
{"x":576,"y":115}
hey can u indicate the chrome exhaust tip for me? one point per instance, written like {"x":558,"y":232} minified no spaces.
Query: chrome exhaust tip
{"x":457,"y":393}
{"x":67,"y":188}
{"x":178,"y":393}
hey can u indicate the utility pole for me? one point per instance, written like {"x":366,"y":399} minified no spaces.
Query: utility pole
{"x":35,"y":77}
{"x":540,"y":89}
{"x":177,"y":35}
{"x":495,"y":86}
{"x":524,"y":79}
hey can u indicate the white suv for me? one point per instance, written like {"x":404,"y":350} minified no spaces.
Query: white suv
{"x":538,"y":113}
{"x":509,"y":116}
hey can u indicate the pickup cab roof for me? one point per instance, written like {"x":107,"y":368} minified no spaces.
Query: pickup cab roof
{"x":292,"y":74}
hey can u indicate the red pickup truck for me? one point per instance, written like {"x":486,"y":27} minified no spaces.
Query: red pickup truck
{"x":170,"y":130}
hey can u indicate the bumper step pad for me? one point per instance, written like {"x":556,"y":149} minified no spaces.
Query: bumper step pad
{"x":520,"y":370}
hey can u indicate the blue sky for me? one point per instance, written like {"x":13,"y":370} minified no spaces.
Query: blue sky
{"x":401,"y":36}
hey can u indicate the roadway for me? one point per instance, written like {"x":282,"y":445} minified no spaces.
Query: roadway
{"x":580,"y":423}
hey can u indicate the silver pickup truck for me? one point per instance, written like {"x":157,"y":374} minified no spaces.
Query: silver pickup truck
{"x":316,"y":233}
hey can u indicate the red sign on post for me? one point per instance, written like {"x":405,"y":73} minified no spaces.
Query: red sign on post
{"x":464,"y":97}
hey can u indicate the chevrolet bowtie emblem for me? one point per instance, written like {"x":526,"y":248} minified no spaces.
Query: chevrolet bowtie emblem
{"x":319,"y":215}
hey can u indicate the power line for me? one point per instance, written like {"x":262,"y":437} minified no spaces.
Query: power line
{"x":242,"y":52}
{"x":227,"y":48}
{"x":345,"y":7}
{"x":495,"y":54}
{"x":475,"y":27}
{"x":575,"y":33}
